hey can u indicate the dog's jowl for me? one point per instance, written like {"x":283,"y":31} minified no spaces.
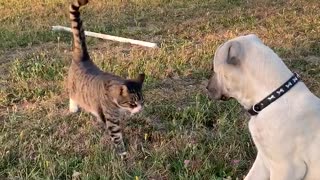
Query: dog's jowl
{"x":285,"y":115}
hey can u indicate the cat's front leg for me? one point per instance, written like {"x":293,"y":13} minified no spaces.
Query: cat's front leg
{"x":115,"y":132}
{"x":113,"y":128}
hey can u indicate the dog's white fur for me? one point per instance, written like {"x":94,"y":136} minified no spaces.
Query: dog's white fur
{"x":287,"y":132}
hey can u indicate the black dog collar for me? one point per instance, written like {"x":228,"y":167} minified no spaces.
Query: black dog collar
{"x":254,"y":110}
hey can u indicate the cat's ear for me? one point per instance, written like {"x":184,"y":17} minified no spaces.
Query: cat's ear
{"x":117,"y":89}
{"x":123,"y":91}
{"x":141,"y":78}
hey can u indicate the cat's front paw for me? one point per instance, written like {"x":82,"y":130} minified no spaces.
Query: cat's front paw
{"x":123,"y":155}
{"x":121,"y":150}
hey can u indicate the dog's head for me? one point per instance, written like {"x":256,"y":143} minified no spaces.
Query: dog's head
{"x":230,"y":77}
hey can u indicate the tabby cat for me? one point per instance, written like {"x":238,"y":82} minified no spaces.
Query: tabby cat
{"x":108,"y":97}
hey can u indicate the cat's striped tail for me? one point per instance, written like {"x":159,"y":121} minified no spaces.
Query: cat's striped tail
{"x":80,"y":52}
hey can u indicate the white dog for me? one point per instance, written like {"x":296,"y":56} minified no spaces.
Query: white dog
{"x":286,"y":129}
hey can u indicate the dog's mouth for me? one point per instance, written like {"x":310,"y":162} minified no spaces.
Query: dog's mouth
{"x":221,"y":97}
{"x":224,"y":98}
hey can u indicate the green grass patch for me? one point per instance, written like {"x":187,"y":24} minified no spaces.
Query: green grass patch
{"x":34,"y":77}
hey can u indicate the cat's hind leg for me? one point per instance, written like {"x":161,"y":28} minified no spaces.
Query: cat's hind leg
{"x":73,"y":106}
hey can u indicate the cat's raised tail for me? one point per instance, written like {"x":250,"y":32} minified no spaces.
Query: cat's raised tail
{"x":80,"y":52}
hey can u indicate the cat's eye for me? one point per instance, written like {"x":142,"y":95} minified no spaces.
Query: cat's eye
{"x":133,"y":104}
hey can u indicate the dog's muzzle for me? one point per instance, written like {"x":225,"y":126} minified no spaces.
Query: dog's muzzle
{"x":224,"y":98}
{"x":214,"y":92}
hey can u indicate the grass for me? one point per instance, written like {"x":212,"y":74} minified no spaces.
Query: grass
{"x":181,"y":134}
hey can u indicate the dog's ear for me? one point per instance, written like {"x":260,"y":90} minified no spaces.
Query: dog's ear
{"x":234,"y":53}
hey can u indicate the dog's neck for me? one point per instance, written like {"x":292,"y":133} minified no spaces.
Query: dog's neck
{"x":263,"y":80}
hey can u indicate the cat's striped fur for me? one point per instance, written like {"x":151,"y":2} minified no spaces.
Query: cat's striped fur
{"x":107,"y":96}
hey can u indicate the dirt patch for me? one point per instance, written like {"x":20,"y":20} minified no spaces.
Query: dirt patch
{"x":310,"y":59}
{"x":313,"y":59}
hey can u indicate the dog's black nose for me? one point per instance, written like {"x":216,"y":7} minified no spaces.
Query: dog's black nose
{"x":207,"y":87}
